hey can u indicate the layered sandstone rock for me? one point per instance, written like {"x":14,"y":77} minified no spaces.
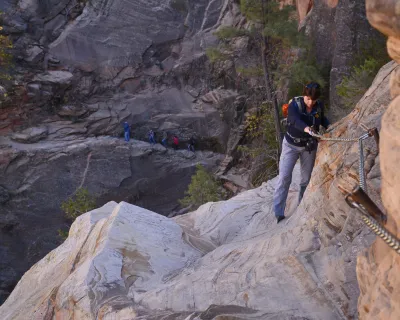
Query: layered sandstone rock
{"x":379,"y":267}
{"x":37,"y":178}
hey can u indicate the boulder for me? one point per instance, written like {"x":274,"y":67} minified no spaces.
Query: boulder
{"x":109,"y":244}
{"x":72,"y":111}
{"x":54,"y":27}
{"x":61,"y":78}
{"x":34,"y":54}
{"x":31,"y":135}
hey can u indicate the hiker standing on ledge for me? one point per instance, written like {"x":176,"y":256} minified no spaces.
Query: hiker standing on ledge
{"x":305,"y":114}
{"x":127,"y":131}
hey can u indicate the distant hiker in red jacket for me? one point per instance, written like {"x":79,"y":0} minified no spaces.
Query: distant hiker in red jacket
{"x":175,"y":140}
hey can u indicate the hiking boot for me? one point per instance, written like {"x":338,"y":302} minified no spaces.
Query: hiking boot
{"x":279,"y":218}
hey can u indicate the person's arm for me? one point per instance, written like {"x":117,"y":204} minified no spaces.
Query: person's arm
{"x":324,"y":121}
{"x":294,"y":117}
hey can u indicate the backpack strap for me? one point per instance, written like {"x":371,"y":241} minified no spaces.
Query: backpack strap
{"x":298,"y":103}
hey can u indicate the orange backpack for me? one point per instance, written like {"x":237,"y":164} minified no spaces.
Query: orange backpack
{"x":285,"y":110}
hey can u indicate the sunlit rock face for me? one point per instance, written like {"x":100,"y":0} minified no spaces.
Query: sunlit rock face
{"x":379,"y":267}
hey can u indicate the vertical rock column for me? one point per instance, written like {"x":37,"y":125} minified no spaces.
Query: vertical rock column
{"x":378,"y":270}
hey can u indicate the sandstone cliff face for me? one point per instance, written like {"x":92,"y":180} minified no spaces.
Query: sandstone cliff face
{"x":378,"y":268}
{"x":227,"y":258}
{"x":340,"y":31}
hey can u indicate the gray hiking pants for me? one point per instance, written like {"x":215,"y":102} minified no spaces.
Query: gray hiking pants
{"x":290,"y":155}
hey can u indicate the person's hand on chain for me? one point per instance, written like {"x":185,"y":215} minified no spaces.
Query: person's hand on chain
{"x":307,"y":130}
{"x":310,"y":130}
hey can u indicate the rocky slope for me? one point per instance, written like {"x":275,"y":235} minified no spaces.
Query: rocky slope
{"x":139,"y":62}
{"x":39,"y":177}
{"x":121,"y":261}
{"x":227,"y":258}
{"x":87,"y":66}
{"x":378,"y":268}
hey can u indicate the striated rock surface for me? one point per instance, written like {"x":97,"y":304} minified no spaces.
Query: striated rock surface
{"x":379,"y":267}
{"x":340,"y":31}
{"x":225,"y":259}
{"x":138,"y":61}
{"x":30,"y":135}
{"x":124,"y":261}
{"x":145,"y":62}
{"x":37,"y":178}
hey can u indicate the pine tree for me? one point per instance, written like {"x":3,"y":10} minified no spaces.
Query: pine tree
{"x":5,"y":56}
{"x":202,"y":188}
{"x":78,"y":204}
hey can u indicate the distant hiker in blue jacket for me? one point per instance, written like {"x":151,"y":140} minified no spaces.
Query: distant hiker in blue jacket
{"x":305,"y":113}
{"x":127,"y":131}
{"x":151,"y":137}
{"x":164,"y":139}
{"x":191,"y":144}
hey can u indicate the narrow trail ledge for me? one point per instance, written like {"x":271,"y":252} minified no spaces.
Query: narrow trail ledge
{"x":227,"y":258}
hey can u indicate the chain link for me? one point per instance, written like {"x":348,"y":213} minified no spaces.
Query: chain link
{"x":378,"y":229}
{"x":361,"y":169}
{"x":321,"y":137}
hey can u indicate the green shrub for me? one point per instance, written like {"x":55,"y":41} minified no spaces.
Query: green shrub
{"x":371,"y":56}
{"x":203,"y":188}
{"x":215,"y":55}
{"x":5,"y":56}
{"x":63,"y":234}
{"x":78,"y":204}
{"x":251,"y":71}
{"x":353,"y":87}
{"x":227,"y":33}
{"x":261,"y":124}
{"x":260,"y":129}
{"x":302,"y":72}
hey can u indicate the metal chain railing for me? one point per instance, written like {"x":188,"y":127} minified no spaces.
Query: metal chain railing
{"x":359,"y":199}
{"x":379,"y":230}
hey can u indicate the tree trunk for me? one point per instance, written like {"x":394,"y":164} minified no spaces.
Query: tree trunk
{"x":271,"y":96}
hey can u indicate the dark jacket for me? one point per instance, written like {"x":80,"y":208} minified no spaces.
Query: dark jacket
{"x":126,"y":127}
{"x":298,"y":121}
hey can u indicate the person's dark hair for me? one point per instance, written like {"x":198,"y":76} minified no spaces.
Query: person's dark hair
{"x":312,"y":90}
